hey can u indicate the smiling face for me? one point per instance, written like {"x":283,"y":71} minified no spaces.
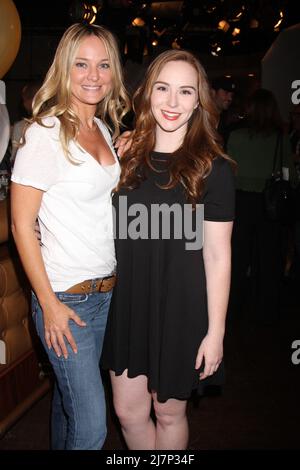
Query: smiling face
{"x":91,"y":76}
{"x":173,"y":99}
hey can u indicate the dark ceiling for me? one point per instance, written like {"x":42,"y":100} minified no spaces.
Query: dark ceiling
{"x":192,"y":24}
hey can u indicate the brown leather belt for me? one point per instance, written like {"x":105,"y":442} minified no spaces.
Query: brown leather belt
{"x":93,"y":285}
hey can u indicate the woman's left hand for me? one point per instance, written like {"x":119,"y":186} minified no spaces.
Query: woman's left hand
{"x":123,"y":143}
{"x":211,"y":352}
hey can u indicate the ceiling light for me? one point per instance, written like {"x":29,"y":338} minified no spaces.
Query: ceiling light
{"x":215,"y":49}
{"x":139,"y":22}
{"x":238,"y":16}
{"x":276,"y":26}
{"x":223,"y":25}
{"x":236,"y":31}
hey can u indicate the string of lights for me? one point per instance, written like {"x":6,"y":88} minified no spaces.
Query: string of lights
{"x":214,"y":27}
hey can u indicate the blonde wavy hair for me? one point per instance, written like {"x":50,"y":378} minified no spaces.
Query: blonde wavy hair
{"x":54,"y":96}
{"x":192,"y":162}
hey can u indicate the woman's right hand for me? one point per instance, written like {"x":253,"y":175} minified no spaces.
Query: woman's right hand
{"x":56,"y":323}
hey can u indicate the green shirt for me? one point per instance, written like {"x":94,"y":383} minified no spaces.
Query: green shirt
{"x":254,"y":156}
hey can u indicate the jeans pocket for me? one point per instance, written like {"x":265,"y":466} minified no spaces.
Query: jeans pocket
{"x":71,"y":298}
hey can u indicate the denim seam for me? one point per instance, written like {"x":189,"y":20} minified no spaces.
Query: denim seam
{"x":74,"y":409}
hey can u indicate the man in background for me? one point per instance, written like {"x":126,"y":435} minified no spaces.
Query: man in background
{"x":223,"y":89}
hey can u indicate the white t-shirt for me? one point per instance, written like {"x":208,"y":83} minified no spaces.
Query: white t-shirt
{"x":75,"y":216}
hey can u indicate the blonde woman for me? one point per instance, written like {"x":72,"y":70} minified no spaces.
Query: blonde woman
{"x":165,"y":330}
{"x":64,"y":174}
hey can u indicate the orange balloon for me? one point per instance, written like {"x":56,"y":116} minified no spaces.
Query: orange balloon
{"x":10,"y":35}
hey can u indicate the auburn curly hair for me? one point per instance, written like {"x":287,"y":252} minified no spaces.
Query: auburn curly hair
{"x":192,"y":162}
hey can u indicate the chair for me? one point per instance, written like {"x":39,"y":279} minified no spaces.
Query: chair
{"x":22,"y":378}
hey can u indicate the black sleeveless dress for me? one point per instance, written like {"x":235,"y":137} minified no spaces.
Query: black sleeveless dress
{"x":158,"y":315}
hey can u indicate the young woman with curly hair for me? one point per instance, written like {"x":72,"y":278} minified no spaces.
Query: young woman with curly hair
{"x":165,"y":330}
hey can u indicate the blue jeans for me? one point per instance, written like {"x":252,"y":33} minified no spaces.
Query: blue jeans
{"x":78,"y":406}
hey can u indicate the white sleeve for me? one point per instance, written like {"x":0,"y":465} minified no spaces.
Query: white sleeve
{"x":37,"y":161}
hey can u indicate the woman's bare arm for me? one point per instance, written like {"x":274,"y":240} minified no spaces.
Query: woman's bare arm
{"x":25,"y":205}
{"x":217,"y":263}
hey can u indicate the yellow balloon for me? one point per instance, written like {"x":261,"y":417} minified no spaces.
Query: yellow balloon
{"x":10,"y":35}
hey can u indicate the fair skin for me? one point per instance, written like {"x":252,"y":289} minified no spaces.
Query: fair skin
{"x":173,"y":100}
{"x":123,"y":143}
{"x":91,"y":80}
{"x":166,"y":97}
